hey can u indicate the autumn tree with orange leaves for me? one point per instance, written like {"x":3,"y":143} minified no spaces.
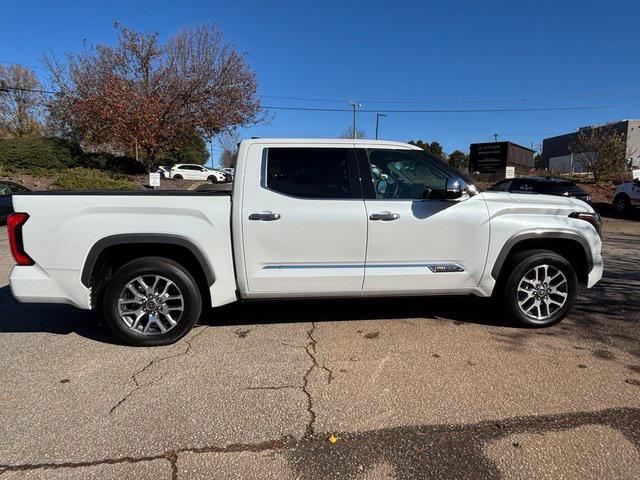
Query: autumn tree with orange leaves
{"x":156,"y":96}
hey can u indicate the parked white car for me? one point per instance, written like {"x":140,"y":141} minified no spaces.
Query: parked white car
{"x":626,"y":195}
{"x":190,"y":171}
{"x":305,"y":218}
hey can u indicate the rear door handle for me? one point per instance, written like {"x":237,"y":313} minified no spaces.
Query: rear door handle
{"x":264,"y":216}
{"x":384,"y":216}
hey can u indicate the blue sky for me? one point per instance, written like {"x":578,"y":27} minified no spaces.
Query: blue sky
{"x":384,"y":50}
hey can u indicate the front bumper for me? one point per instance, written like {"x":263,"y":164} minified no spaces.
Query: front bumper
{"x":596,"y":271}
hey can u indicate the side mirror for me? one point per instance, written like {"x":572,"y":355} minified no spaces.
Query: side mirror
{"x":453,"y":189}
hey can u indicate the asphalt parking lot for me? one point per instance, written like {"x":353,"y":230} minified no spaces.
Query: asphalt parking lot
{"x":418,"y":388}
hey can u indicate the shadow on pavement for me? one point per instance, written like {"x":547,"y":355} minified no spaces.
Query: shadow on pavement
{"x":463,"y":309}
{"x":442,"y":451}
{"x":18,"y":317}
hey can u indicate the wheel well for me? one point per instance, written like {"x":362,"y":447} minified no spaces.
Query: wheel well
{"x":572,"y":250}
{"x":114,"y":257}
{"x":623,"y":195}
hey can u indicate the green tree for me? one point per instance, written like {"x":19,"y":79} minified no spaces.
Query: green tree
{"x":458,"y":160}
{"x":434,"y":148}
{"x":192,"y":149}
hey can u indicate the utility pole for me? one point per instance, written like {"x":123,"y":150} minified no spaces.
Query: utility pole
{"x":354,"y":105}
{"x":495,"y":136}
{"x":378,"y":115}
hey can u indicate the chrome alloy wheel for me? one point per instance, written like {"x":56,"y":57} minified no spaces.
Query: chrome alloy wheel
{"x":542,"y":291}
{"x":150,"y":304}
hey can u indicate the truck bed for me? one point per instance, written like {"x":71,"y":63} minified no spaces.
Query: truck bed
{"x":59,"y":235}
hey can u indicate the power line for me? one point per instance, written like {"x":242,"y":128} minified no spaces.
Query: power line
{"x":444,"y":101}
{"x":441,"y":110}
{"x":456,"y":110}
{"x":20,"y":89}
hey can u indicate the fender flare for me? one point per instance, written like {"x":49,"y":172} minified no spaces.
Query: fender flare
{"x":540,"y":235}
{"x":142,"y":238}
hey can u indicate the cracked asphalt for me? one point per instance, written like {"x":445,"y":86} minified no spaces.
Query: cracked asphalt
{"x":408,"y":388}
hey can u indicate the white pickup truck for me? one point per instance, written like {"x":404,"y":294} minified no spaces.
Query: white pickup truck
{"x":305,"y":219}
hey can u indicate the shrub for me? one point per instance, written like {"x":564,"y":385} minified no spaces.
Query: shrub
{"x":113,"y":163}
{"x":91,"y":179}
{"x":32,"y":153}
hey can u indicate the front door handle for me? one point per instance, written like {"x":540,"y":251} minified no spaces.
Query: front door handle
{"x":264,"y":216}
{"x":384,"y":216}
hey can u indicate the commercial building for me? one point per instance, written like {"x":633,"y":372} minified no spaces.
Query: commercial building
{"x":557,"y":155}
{"x":493,"y":157}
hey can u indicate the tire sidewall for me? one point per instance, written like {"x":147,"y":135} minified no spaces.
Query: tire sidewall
{"x":621,"y":204}
{"x":156,"y":266}
{"x":522,"y":265}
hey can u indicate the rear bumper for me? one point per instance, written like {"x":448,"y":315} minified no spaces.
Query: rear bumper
{"x":596,"y":271}
{"x":32,"y":284}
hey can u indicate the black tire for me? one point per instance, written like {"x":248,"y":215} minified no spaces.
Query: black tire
{"x":164,"y":267}
{"x":519,"y":266}
{"x":621,"y":204}
{"x":212,"y":179}
{"x":177,"y":177}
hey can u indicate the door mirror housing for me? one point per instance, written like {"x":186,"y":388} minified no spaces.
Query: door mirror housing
{"x":453,"y":189}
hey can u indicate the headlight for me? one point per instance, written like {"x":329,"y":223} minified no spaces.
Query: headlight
{"x":591,"y":217}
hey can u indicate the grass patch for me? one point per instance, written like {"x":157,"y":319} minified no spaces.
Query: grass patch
{"x":91,"y":179}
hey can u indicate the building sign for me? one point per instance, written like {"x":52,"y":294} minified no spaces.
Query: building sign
{"x":510,"y":172}
{"x":154,"y":180}
{"x":488,"y":157}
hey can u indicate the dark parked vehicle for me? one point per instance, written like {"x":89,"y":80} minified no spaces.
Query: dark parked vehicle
{"x":543,"y":185}
{"x":6,"y":190}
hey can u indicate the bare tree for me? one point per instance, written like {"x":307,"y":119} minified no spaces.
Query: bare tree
{"x":229,"y":141}
{"x":602,"y":152}
{"x":20,"y":106}
{"x":348,"y":133}
{"x":151,"y":94}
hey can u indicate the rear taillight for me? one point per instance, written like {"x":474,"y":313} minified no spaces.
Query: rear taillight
{"x":15,"y":221}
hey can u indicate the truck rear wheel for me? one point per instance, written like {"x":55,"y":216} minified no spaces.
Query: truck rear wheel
{"x":621,"y":204}
{"x":151,"y":301}
{"x":540,"y":289}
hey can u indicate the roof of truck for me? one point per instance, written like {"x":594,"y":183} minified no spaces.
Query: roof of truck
{"x":346,"y":141}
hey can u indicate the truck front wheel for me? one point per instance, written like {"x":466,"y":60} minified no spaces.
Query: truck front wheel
{"x":151,"y":301}
{"x":540,"y":289}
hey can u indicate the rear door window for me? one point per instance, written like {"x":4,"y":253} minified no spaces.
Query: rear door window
{"x":323,"y":173}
